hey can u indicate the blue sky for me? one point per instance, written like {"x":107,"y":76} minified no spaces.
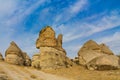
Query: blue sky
{"x":78,"y":21}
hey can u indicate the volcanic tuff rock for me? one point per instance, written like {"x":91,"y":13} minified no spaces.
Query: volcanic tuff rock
{"x":36,"y":61}
{"x":105,"y":49}
{"x":105,"y":62}
{"x":14,"y":55}
{"x":91,"y":50}
{"x":52,"y":55}
{"x":1,"y":57}
{"x":46,"y":38}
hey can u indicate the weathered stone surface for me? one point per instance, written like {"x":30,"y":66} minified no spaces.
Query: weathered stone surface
{"x":14,"y":55}
{"x":90,"y":45}
{"x":52,"y":55}
{"x":91,"y":50}
{"x":36,"y":61}
{"x":13,"y":49}
{"x":46,"y":38}
{"x":1,"y":57}
{"x":88,"y":55}
{"x":105,"y":49}
{"x":52,"y":58}
{"x":14,"y":59}
{"x":27,"y":59}
{"x":59,"y":40}
{"x":105,"y":62}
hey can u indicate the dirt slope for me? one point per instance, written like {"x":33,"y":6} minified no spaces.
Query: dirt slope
{"x":13,"y":72}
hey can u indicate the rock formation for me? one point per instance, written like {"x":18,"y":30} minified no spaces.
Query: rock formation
{"x":52,"y":55}
{"x":97,"y":57}
{"x":14,"y":55}
{"x":1,"y":57}
{"x":90,"y":45}
{"x":36,"y":61}
{"x":27,"y":59}
{"x":46,"y":38}
{"x":92,"y":50}
{"x":105,"y":49}
{"x":106,"y":62}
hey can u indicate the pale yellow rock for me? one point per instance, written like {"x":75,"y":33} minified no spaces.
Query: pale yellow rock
{"x":46,"y":38}
{"x":105,"y":49}
{"x":105,"y":62}
{"x":91,"y":50}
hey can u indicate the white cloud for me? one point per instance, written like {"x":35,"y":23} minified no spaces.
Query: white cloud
{"x":84,"y":29}
{"x":71,"y":11}
{"x":11,"y":14}
{"x":78,"y":6}
{"x":7,"y":7}
{"x":113,"y":41}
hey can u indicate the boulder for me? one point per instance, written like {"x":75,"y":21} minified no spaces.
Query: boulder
{"x":87,"y":56}
{"x":105,"y":62}
{"x":91,"y":50}
{"x":76,"y":60}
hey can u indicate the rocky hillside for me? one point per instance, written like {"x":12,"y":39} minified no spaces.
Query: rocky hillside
{"x":14,"y":72}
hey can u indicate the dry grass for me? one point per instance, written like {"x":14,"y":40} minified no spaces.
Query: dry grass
{"x":80,"y":73}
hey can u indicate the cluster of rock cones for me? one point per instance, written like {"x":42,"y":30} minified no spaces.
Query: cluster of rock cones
{"x":53,"y":56}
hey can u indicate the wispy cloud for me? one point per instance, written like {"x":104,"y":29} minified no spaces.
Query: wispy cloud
{"x":70,"y":11}
{"x":113,"y":41}
{"x":84,"y":29}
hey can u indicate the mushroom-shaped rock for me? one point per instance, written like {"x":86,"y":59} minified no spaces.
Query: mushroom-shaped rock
{"x":46,"y":38}
{"x":52,"y":55}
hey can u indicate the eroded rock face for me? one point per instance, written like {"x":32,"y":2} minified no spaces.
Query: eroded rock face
{"x":91,"y":50}
{"x":52,"y":55}
{"x":105,"y":49}
{"x":59,"y":40}
{"x":105,"y":62}
{"x":27,"y":59}
{"x":46,"y":38}
{"x":14,"y":55}
{"x":1,"y":57}
{"x":90,"y":45}
{"x":51,"y":58}
{"x":87,"y":56}
{"x":36,"y":61}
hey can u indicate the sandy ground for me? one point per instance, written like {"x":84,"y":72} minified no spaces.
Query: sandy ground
{"x":13,"y":72}
{"x":81,"y":73}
